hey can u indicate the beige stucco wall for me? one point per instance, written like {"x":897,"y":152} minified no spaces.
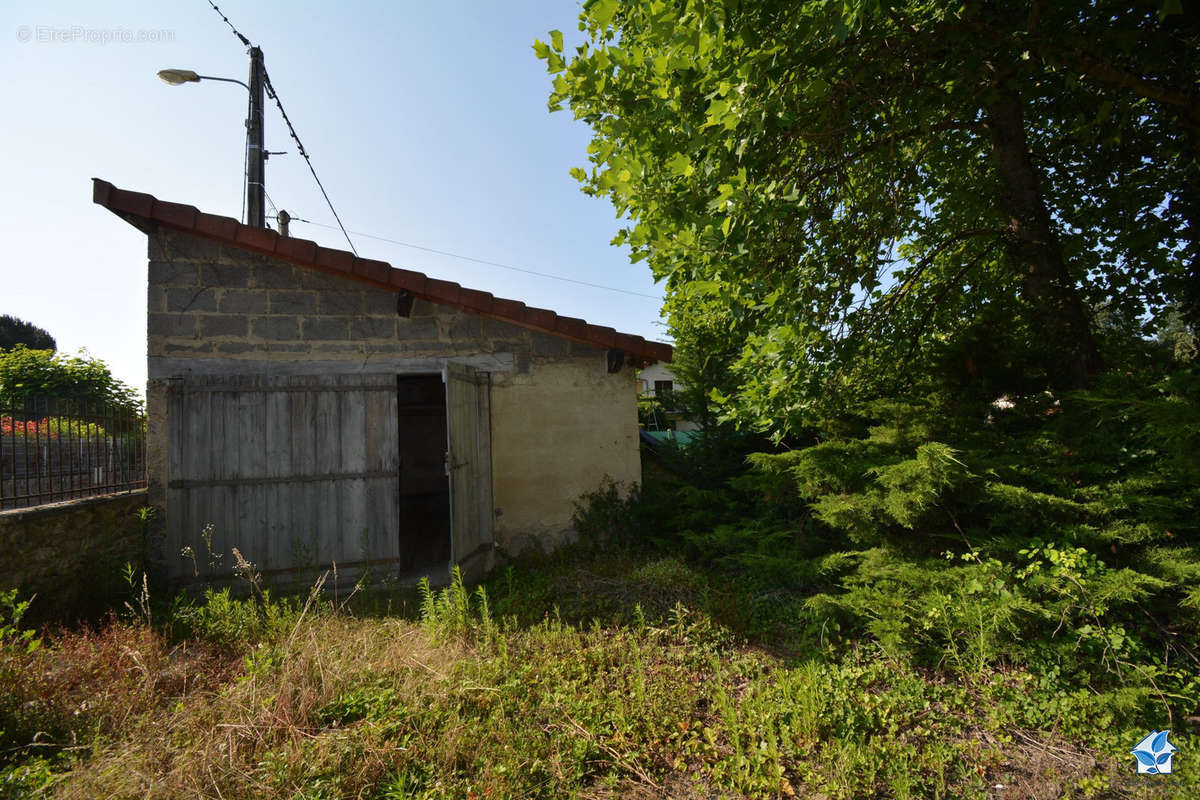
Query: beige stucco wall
{"x":560,"y":421}
{"x":556,"y":435}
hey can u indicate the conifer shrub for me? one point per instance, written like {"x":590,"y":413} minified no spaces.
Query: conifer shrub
{"x":1052,"y":533}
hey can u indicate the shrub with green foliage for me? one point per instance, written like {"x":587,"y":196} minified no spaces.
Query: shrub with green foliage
{"x":233,"y":622}
{"x":54,"y":376}
{"x":51,"y":376}
{"x":1057,"y":534}
{"x":1039,"y":532}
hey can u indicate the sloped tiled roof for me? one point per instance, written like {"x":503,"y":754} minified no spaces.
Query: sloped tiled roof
{"x":139,"y":209}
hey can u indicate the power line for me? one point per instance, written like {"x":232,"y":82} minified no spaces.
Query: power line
{"x":236,"y":32}
{"x":300,"y":146}
{"x":307,"y":160}
{"x":291,"y":128}
{"x":484,"y":261}
{"x":271,"y":203}
{"x":249,"y":105}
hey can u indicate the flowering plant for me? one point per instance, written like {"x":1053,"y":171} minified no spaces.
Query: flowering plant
{"x":48,"y":427}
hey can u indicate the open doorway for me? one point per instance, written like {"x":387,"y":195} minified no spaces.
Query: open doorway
{"x":424,"y":492}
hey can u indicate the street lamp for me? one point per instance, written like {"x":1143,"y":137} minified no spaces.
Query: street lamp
{"x":257,"y":157}
{"x":178,"y":77}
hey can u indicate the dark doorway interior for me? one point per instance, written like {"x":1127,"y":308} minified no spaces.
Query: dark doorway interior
{"x":424,"y":487}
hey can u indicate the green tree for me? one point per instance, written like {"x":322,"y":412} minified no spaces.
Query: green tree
{"x":51,"y":377}
{"x":862,"y":190}
{"x":15,"y":331}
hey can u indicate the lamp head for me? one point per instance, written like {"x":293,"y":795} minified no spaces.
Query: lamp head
{"x":177,"y":77}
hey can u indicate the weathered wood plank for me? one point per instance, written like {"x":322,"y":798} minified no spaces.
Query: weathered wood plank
{"x":483,"y":451}
{"x":327,"y":434}
{"x":177,"y":506}
{"x":296,"y":471}
{"x":462,"y":412}
{"x":381,"y":494}
{"x":218,"y":437}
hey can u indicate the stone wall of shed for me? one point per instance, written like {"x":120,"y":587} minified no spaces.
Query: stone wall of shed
{"x":560,"y":421}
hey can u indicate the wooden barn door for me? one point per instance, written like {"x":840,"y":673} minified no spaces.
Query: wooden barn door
{"x":296,"y":472}
{"x":469,"y":465}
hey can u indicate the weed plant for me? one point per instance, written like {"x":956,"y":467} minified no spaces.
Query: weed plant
{"x":459,"y":704}
{"x":926,"y":601}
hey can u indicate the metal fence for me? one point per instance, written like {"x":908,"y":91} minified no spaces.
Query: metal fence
{"x":54,"y":449}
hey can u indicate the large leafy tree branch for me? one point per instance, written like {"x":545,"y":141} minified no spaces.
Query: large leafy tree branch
{"x":855,"y":185}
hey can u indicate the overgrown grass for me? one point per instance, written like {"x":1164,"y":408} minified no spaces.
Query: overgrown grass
{"x":582,"y":675}
{"x":929,"y":602}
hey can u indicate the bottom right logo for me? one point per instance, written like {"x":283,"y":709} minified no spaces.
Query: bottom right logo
{"x":1154,"y":753}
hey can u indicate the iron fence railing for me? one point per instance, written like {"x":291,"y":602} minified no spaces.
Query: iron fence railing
{"x":55,"y":449}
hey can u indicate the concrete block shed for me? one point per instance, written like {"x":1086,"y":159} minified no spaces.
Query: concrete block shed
{"x":310,"y":407}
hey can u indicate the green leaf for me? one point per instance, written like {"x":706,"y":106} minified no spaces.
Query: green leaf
{"x":602,"y":12}
{"x":680,"y":165}
{"x":705,"y":287}
{"x":717,"y":110}
{"x":556,"y":40}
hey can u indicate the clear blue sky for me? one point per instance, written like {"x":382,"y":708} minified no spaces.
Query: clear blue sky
{"x":426,"y":121}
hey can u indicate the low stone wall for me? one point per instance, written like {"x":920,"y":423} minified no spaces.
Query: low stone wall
{"x":71,"y":554}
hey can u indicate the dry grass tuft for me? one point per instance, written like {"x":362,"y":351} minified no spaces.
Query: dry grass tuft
{"x":264,"y":733}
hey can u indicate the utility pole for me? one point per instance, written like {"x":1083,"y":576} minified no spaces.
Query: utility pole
{"x":256,"y":152}
{"x":257,"y":155}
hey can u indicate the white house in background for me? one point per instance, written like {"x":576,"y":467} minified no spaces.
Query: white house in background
{"x":656,"y":379}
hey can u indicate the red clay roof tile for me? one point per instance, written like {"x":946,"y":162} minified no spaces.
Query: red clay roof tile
{"x":222,"y":229}
{"x":336,"y":260}
{"x":372,"y":270}
{"x":540,"y":318}
{"x":308,"y":254}
{"x":571,"y":327}
{"x":507,"y":309}
{"x":440,"y":291}
{"x":658,"y":351}
{"x":132,"y":202}
{"x":101,"y":192}
{"x":176,"y":214}
{"x":296,"y":250}
{"x":261,"y":240}
{"x":474,"y":300}
{"x":409,"y":281}
{"x":607,"y":337}
{"x":634,"y":345}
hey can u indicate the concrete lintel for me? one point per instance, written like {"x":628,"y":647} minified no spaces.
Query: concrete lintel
{"x":161,"y":367}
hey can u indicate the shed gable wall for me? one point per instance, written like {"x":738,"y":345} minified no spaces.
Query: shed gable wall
{"x":210,"y":301}
{"x":560,"y":421}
